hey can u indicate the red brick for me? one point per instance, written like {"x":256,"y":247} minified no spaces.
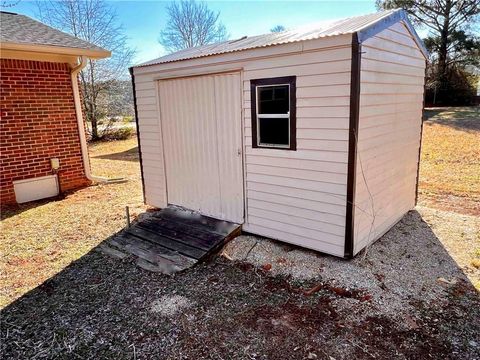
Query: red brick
{"x":37,"y":122}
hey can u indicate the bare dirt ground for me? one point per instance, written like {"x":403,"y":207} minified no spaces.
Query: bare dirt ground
{"x":410,"y":297}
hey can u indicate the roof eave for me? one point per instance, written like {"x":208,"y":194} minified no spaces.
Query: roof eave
{"x":400,"y":15}
{"x":51,"y":49}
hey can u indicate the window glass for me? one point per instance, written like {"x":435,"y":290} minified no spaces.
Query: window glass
{"x":274,"y":112}
{"x":274,"y":131}
{"x":273,"y":99}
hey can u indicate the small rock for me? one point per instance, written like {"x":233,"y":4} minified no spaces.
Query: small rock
{"x":445,"y":281}
{"x":412,"y":324}
{"x":267,"y":267}
{"x":312,"y":356}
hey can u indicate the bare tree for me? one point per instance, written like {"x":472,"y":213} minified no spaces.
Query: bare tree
{"x":453,"y":33}
{"x":191,"y":24}
{"x":95,"y":22}
{"x":278,"y":28}
{"x":8,"y":3}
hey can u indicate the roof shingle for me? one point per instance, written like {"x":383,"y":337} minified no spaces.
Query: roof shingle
{"x":20,"y":29}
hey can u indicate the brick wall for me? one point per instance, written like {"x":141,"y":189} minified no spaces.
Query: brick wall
{"x":38,"y":122}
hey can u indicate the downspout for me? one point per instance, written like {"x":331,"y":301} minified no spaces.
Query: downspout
{"x":81,"y":126}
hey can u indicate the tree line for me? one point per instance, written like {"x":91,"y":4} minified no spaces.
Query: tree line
{"x":453,"y":43}
{"x":452,"y":40}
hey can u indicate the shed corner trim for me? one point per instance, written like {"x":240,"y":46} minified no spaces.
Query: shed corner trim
{"x":132,"y":76}
{"x":352,"y":145}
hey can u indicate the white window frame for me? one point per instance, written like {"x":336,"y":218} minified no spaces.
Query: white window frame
{"x":272,"y":116}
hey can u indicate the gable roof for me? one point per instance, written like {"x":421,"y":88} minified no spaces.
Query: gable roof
{"x":365,"y":26}
{"x":19,"y":32}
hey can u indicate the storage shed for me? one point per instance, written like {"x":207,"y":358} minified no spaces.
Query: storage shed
{"x":308,"y":136}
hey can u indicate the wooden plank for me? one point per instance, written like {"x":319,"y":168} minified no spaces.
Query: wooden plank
{"x":168,"y":243}
{"x":200,"y":222}
{"x":184,"y":234}
{"x":149,"y":251}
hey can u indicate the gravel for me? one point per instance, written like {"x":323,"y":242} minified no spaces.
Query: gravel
{"x":406,"y":263}
{"x":388,"y":304}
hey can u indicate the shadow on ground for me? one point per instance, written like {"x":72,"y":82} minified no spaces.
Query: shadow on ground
{"x":466,"y":119}
{"x":103,"y":307}
{"x":127,"y":155}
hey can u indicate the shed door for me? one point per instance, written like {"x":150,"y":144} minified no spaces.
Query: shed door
{"x":201,"y":126}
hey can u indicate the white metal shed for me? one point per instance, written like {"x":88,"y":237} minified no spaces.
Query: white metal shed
{"x":309,"y":136}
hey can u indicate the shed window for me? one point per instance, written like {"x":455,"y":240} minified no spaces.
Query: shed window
{"x":273,"y":113}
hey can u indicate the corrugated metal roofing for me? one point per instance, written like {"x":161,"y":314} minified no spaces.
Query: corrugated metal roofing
{"x":316,"y":31}
{"x":21,"y":29}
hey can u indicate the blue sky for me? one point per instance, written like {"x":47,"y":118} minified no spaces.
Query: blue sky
{"x":143,"y":20}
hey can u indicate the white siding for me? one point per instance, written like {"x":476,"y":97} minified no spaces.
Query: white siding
{"x":293,"y":196}
{"x":201,"y":122}
{"x":391,"y":98}
{"x":151,"y":146}
{"x":299,"y":196}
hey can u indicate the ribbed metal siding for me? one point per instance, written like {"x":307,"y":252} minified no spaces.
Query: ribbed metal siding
{"x":201,"y":123}
{"x":315,"y":31}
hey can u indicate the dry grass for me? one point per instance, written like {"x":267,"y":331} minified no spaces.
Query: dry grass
{"x":39,"y":239}
{"x":100,"y":307}
{"x":450,"y":163}
{"x":450,"y":183}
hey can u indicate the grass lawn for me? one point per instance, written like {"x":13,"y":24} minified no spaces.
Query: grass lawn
{"x":39,"y":239}
{"x":410,"y":297}
{"x":450,"y":162}
{"x":450,"y":179}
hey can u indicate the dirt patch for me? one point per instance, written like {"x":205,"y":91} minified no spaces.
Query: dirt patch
{"x":100,"y":307}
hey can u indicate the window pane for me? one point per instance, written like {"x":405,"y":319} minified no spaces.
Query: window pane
{"x":274,"y":131}
{"x":273,"y":99}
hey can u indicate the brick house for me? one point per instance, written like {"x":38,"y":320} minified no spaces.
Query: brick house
{"x":42,"y":134}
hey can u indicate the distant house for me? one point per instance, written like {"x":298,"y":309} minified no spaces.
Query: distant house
{"x":309,"y":136}
{"x":43,"y":147}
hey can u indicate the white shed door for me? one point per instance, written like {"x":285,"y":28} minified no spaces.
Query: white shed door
{"x":202,"y":136}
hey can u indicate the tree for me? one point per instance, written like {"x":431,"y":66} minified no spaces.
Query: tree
{"x":278,"y":28}
{"x":95,"y":22}
{"x":451,"y":39}
{"x":8,"y":3}
{"x":191,"y":24}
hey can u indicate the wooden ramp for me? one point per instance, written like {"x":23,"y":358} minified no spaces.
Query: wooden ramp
{"x":172,"y":239}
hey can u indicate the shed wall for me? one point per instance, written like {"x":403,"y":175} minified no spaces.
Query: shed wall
{"x":293,"y":196}
{"x":391,"y":102}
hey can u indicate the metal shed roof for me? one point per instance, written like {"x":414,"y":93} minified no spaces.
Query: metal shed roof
{"x":365,"y":25}
{"x":20,"y":29}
